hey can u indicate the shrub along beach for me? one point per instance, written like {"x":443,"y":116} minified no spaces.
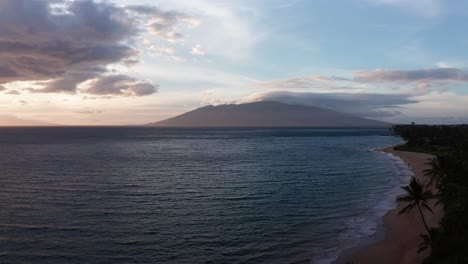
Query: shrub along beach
{"x":430,"y":223}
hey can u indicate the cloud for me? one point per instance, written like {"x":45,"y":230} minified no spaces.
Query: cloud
{"x":120,"y":85}
{"x":163,"y":24}
{"x":211,"y":97}
{"x":2,"y":88}
{"x":97,"y":97}
{"x":297,"y":82}
{"x":438,"y":74}
{"x":12,"y":92}
{"x":89,"y":111}
{"x":416,"y":82}
{"x":198,"y":50}
{"x":423,"y":81}
{"x":61,"y":44}
{"x":68,"y":82}
{"x":363,"y":104}
{"x":231,"y":29}
{"x":36,"y":44}
{"x":161,"y":50}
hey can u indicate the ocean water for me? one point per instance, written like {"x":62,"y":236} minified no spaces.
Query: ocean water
{"x":161,"y":195}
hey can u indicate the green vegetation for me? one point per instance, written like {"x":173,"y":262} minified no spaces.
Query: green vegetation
{"x":449,"y":173}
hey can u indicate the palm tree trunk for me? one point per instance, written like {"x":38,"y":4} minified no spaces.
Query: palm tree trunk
{"x":424,"y":220}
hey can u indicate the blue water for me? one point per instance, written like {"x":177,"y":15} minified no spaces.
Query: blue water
{"x":153,"y":195}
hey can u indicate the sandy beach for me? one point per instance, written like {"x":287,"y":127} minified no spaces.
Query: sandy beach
{"x":401,"y":232}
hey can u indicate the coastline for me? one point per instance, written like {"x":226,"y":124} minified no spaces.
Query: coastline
{"x":398,"y":237}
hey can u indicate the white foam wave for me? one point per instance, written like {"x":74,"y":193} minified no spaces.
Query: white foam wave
{"x":366,"y":225}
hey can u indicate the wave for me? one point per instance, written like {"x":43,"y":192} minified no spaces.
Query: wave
{"x":367,"y":224}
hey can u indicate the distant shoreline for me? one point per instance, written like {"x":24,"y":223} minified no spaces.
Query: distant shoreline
{"x":398,"y":240}
{"x":197,"y":127}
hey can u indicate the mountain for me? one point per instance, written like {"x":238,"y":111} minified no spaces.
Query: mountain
{"x":267,"y":114}
{"x":7,"y":120}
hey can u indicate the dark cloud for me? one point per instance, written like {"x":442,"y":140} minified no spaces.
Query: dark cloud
{"x":68,"y":83}
{"x":36,"y":44}
{"x":367,"y":105}
{"x":379,"y":114}
{"x":2,"y":88}
{"x":425,"y":75}
{"x":61,"y":44}
{"x":120,"y":85}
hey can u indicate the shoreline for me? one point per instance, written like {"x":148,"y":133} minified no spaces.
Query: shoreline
{"x":397,"y":237}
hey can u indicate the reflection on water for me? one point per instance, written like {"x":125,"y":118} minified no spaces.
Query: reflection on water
{"x":149,"y":195}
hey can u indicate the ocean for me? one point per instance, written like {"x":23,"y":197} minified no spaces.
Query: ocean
{"x":165,"y":195}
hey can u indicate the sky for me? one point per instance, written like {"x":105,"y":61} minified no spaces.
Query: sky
{"x":135,"y":62}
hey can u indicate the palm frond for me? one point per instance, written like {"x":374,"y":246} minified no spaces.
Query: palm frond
{"x":407,"y":208}
{"x":426,"y":243}
{"x":406,"y":198}
{"x":427,"y":207}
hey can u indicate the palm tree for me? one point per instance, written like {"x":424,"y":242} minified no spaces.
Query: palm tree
{"x":438,"y":169}
{"x":427,"y":240}
{"x":417,"y":196}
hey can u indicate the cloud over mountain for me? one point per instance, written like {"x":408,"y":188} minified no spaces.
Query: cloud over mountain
{"x":421,"y":81}
{"x":296,"y":82}
{"x":363,"y":104}
{"x":437,"y":74}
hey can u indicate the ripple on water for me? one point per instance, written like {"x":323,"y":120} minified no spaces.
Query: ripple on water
{"x":139,"y":195}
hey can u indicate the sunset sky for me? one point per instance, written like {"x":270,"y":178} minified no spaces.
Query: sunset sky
{"x":135,"y":62}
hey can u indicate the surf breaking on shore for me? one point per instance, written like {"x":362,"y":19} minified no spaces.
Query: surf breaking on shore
{"x":401,"y":232}
{"x":367,"y":228}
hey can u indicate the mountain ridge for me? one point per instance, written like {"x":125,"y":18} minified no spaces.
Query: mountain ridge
{"x":267,"y":114}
